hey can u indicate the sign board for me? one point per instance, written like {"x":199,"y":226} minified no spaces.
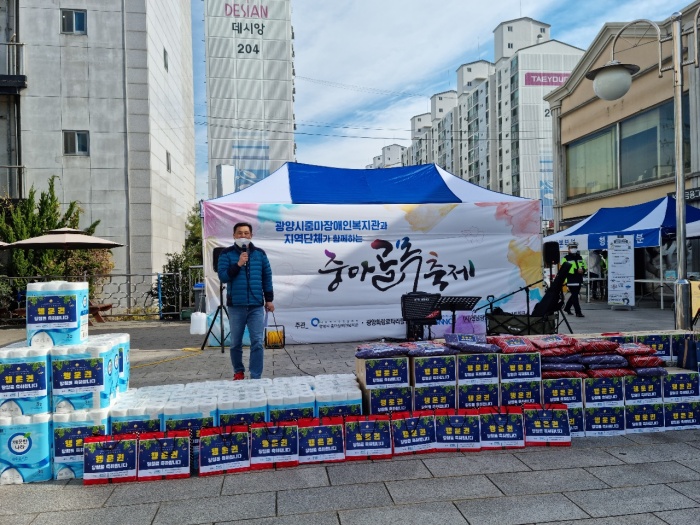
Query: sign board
{"x":621,"y":270}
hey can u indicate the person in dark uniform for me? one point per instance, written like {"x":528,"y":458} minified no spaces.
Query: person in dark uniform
{"x":574,"y":279}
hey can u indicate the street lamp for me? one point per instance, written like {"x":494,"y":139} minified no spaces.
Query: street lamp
{"x":611,"y":82}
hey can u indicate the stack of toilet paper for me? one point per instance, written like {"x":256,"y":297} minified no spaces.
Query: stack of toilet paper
{"x":57,"y":313}
{"x":69,"y":431}
{"x":337,"y":395}
{"x":291,"y":398}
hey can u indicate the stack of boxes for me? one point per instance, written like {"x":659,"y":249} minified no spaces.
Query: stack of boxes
{"x":385,"y":384}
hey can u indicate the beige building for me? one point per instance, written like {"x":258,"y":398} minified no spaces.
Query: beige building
{"x":621,"y":152}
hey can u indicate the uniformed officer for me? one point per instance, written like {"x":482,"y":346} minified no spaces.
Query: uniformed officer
{"x":574,"y":279}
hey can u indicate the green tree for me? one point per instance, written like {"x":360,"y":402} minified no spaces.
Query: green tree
{"x":30,"y":218}
{"x":190,"y":255}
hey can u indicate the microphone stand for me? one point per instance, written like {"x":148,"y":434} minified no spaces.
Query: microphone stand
{"x":526,"y":288}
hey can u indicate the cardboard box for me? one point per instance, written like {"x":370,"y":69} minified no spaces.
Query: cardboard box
{"x":386,"y":400}
{"x":565,"y":390}
{"x":478,"y":395}
{"x":659,"y":342}
{"x":434,"y":397}
{"x":518,"y":393}
{"x":460,"y":431}
{"x":604,"y":420}
{"x":576,"y":421}
{"x":546,"y":425}
{"x":382,"y":373}
{"x":519,"y":367}
{"x":644,"y":418}
{"x":367,"y":438}
{"x":413,"y":433}
{"x":501,"y":428}
{"x":682,"y":415}
{"x":643,"y":390}
{"x":224,"y":450}
{"x":477,"y":368}
{"x":681,"y":386}
{"x":433,"y":370}
{"x":603,"y":392}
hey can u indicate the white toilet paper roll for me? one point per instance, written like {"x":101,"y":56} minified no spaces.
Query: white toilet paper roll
{"x":98,"y":415}
{"x":241,"y":403}
{"x":79,"y":416}
{"x":324,"y":397}
{"x":172,"y":409}
{"x":17,"y":353}
{"x":61,"y":418}
{"x":118,"y":412}
{"x":42,"y":418}
{"x":227,"y":404}
{"x":5,"y":421}
{"x":137,"y":410}
{"x":21,"y":420}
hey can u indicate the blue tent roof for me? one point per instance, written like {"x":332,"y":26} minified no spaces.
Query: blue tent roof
{"x":298,"y":183}
{"x":649,"y":222}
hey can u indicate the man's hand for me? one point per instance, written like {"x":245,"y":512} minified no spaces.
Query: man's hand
{"x":243,"y":259}
{"x":269,"y":307}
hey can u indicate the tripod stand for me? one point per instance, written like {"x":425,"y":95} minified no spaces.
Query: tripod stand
{"x":220,"y":310}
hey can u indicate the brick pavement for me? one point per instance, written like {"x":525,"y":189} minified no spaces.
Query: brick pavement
{"x":642,"y":479}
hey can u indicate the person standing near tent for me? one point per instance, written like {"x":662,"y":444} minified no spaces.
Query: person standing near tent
{"x":246,"y":270}
{"x":594,"y":273}
{"x":574,"y":279}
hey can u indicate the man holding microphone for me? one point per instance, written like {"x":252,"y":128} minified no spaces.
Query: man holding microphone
{"x":246,"y":270}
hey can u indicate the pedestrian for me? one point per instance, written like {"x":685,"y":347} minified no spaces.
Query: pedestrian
{"x":574,"y":279}
{"x":246,"y":271}
{"x":594,"y":274}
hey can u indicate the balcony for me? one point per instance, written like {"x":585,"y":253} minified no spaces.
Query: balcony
{"x":12,"y":77}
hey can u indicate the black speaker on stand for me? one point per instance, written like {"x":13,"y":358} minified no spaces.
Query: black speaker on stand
{"x":550,"y":254}
{"x":220,"y":310}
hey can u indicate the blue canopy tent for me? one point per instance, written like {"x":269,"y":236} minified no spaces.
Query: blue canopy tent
{"x":649,"y":222}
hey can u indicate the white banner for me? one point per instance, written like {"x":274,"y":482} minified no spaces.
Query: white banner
{"x":339,"y":271}
{"x":621,"y":270}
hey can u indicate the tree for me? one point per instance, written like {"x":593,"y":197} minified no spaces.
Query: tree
{"x":179,"y":263}
{"x":31,"y":218}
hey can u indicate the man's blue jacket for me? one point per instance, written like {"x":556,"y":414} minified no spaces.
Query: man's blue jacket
{"x":250,"y":285}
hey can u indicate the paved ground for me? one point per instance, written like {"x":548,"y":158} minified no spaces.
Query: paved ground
{"x":642,"y":479}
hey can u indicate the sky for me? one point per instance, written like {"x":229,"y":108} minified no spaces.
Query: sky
{"x":365,"y":67}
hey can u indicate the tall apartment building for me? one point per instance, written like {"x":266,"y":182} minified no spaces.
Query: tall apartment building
{"x":100,"y":96}
{"x":250,"y":87}
{"x":495,"y":130}
{"x":391,"y":156}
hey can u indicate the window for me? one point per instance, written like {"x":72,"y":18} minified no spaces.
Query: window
{"x":168,"y":165}
{"x":542,"y":30}
{"x":469,"y":84}
{"x":76,"y":143}
{"x":165,"y":60}
{"x":510,"y":46}
{"x":510,"y":29}
{"x":469,"y":70}
{"x":73,"y":22}
{"x":591,"y":164}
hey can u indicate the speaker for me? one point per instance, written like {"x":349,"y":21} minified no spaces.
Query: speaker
{"x":550,"y":253}
{"x":215,"y":258}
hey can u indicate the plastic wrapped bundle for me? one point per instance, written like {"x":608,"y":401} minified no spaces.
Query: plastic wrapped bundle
{"x":560,"y":359}
{"x":609,"y":361}
{"x":611,"y":372}
{"x":561,"y":367}
{"x":558,"y":351}
{"x":378,"y":350}
{"x":552,"y":341}
{"x":431,"y":350}
{"x":645,"y":361}
{"x":635,"y":349}
{"x":25,"y":454}
{"x":563,"y":374}
{"x":651,"y":371}
{"x":510,"y":344}
{"x":595,"y":344}
{"x":475,"y":348}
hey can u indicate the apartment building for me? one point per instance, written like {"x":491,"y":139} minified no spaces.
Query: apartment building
{"x":99,"y":95}
{"x":250,"y":88}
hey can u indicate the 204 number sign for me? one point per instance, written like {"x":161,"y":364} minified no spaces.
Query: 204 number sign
{"x":248,"y":48}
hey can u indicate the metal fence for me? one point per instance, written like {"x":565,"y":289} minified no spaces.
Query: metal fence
{"x":125,"y":296}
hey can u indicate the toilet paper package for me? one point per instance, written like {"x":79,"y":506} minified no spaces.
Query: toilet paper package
{"x":288,"y":401}
{"x":191,"y":414}
{"x":137,"y":415}
{"x":69,"y":433}
{"x":25,"y":449}
{"x":57,"y":313}
{"x":337,"y":395}
{"x":122,"y":345}
{"x":84,"y":377}
{"x":24,"y":381}
{"x":242,"y":408}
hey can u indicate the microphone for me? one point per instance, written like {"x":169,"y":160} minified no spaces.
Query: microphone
{"x":245,"y":250}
